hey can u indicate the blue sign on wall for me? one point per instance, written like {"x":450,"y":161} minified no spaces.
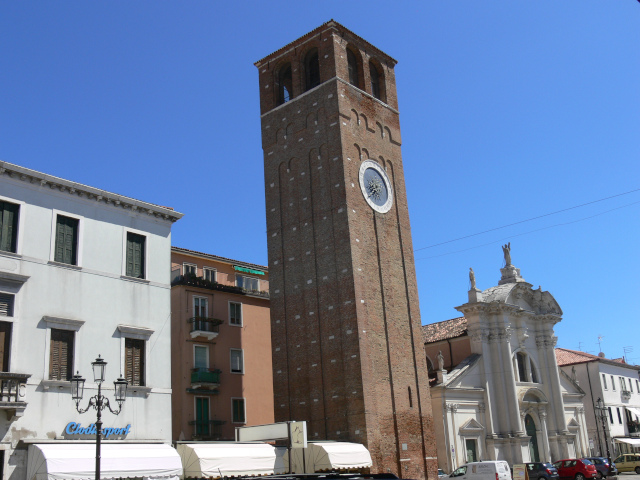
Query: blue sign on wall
{"x":74,"y":428}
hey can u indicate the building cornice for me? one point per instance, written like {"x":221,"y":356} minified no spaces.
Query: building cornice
{"x":69,"y":187}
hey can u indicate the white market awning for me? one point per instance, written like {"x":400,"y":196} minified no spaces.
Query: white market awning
{"x":329,"y":456}
{"x":635,"y":411}
{"x":230,"y":459}
{"x":65,"y":461}
{"x":631,"y":441}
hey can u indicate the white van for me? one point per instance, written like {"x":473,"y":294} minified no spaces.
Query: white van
{"x":490,"y":470}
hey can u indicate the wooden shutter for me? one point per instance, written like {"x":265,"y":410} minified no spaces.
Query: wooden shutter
{"x":66,"y":240}
{"x":238,"y":410}
{"x":6,"y":305}
{"x":5,"y":345}
{"x":8,"y":226}
{"x":134,"y":361}
{"x":135,"y":255}
{"x":61,"y":356}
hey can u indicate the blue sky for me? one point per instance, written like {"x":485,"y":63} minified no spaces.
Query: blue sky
{"x":510,"y":110}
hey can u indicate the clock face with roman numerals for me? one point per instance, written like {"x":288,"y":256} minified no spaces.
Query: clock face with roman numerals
{"x":375,"y":186}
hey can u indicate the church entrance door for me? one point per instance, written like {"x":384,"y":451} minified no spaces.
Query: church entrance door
{"x":530,"y":426}
{"x":472,"y":450}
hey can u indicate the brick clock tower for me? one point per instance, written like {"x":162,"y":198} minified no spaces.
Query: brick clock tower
{"x":345,"y":322}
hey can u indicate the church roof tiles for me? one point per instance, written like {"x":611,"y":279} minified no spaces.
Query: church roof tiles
{"x":436,"y":332}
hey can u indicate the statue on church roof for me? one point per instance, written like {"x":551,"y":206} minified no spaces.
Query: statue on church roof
{"x":472,"y":278}
{"x":440,"y":358}
{"x":506,"y":250}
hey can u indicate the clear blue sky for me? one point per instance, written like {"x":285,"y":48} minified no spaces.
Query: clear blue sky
{"x":509,"y":110}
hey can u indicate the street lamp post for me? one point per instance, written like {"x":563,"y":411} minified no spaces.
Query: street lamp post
{"x":601,"y":412}
{"x":99,"y":401}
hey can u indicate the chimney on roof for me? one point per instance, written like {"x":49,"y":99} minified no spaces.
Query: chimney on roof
{"x":601,"y":355}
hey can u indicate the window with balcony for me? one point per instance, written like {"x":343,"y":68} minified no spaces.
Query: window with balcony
{"x":5,"y":345}
{"x":134,"y":357}
{"x":202,"y":417}
{"x":235,"y":314}
{"x":9,"y":213}
{"x":200,"y":307}
{"x":200,"y":357}
{"x":61,"y":354}
{"x":237,"y":360}
{"x":209,"y":274}
{"x":238,"y":410}
{"x":248,"y":283}
{"x":619,"y":416}
{"x":189,"y":269}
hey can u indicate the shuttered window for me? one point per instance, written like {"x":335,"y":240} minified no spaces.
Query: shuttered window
{"x":61,"y":357}
{"x":202,"y":416}
{"x":134,"y":361}
{"x":5,"y":345}
{"x":135,"y":255}
{"x":66,"y":240}
{"x":238,"y":410}
{"x":8,"y":226}
{"x":6,"y":305}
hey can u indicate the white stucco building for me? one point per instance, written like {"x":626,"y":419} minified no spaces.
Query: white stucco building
{"x":618,"y":385}
{"x":496,"y":390}
{"x":83,"y":272}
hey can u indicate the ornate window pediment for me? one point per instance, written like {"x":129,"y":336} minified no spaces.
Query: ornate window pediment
{"x":471,"y":427}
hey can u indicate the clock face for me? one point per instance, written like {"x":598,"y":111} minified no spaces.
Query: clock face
{"x":375,"y":186}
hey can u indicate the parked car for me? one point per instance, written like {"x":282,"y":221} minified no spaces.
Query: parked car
{"x":578,"y":468}
{"x":603,"y":468}
{"x":441,"y":474}
{"x":541,"y":471}
{"x":489,"y":470}
{"x":628,"y":462}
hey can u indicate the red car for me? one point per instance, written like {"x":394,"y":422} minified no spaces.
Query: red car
{"x":577,"y":468}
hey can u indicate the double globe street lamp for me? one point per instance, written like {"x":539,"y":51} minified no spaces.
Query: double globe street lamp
{"x":99,"y":401}
{"x":601,"y":413}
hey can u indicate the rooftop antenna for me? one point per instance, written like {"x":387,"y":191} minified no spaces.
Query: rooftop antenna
{"x":580,"y":346}
{"x":600,"y":337}
{"x":626,"y":351}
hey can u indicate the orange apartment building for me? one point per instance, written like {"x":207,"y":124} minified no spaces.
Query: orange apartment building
{"x":221,"y":374}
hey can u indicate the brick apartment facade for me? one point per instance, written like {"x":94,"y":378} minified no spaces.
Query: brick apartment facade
{"x":221,"y":374}
{"x":345,"y":319}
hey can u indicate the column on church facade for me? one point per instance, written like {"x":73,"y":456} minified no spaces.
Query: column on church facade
{"x":545,"y":452}
{"x":509,"y":381}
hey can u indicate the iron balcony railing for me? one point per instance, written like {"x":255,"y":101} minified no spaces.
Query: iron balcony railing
{"x":207,"y":429}
{"x":205,"y":376}
{"x":192,"y":280}
{"x":205,"y":324}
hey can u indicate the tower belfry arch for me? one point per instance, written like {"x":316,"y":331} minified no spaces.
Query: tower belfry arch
{"x":346,"y":329}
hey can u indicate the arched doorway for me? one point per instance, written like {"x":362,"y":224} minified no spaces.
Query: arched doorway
{"x":530,"y":427}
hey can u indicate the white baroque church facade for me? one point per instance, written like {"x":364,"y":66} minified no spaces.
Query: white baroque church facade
{"x":497,"y":392}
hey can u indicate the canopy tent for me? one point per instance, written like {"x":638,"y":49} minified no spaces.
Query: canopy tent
{"x":635,"y":411}
{"x":631,"y":441}
{"x":230,"y":459}
{"x":329,"y":456}
{"x":63,"y":461}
